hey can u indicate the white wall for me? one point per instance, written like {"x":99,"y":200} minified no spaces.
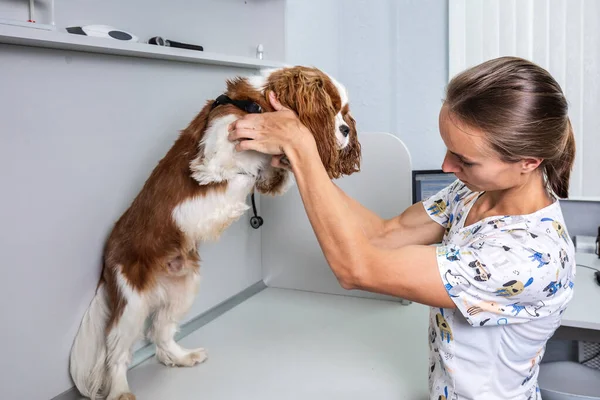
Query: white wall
{"x":391,"y":55}
{"x":421,"y":66}
{"x":311,"y":34}
{"x":80,"y":134}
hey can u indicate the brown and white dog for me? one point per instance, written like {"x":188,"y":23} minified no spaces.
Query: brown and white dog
{"x":151,"y":261}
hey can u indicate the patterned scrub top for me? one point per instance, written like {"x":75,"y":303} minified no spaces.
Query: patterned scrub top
{"x":511,"y":278}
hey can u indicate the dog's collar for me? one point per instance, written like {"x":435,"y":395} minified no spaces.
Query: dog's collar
{"x":248,"y":106}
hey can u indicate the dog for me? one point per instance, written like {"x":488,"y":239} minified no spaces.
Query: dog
{"x":151,"y":263}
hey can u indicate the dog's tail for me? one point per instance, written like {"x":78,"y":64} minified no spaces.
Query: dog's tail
{"x":88,"y":354}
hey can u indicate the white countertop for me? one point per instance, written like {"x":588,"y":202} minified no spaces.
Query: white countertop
{"x":584,"y":309}
{"x":286,"y":344}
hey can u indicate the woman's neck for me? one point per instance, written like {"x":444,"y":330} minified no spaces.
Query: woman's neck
{"x":523,"y":199}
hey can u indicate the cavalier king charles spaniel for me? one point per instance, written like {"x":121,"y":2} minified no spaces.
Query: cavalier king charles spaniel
{"x":151,"y":261}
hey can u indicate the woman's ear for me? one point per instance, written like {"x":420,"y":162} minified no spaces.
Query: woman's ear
{"x":530,"y":164}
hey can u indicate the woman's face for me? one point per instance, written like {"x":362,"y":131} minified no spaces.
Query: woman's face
{"x":470,"y":158}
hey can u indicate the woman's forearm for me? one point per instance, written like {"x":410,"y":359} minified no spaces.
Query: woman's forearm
{"x":372,"y":224}
{"x":342,"y":239}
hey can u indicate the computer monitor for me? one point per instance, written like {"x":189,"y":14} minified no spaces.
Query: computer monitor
{"x":426,"y":183}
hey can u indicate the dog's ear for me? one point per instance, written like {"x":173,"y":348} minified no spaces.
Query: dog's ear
{"x":175,"y":265}
{"x":350,"y":156}
{"x":315,"y":99}
{"x":273,"y":181}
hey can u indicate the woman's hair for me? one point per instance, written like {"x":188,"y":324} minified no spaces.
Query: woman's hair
{"x":523,"y":113}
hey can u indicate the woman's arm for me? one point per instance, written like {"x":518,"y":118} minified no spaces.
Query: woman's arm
{"x":410,"y":272}
{"x":372,"y":224}
{"x":413,"y":226}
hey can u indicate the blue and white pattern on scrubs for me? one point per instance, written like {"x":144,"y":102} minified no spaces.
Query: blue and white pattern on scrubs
{"x":511,"y":278}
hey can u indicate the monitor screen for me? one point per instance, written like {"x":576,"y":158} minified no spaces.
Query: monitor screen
{"x":426,"y":183}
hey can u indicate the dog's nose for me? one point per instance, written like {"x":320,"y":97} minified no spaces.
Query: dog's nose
{"x":345,"y":129}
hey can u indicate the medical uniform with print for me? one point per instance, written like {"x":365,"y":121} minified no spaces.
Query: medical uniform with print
{"x":511,"y":278}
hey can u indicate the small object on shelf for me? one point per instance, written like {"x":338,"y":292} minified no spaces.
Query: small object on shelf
{"x":260,"y":51}
{"x":26,"y":24}
{"x":31,"y":21}
{"x":159,"y":41}
{"x":31,"y":11}
{"x":104,"y":31}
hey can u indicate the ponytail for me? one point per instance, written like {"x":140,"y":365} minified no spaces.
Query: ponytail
{"x":558,"y":171}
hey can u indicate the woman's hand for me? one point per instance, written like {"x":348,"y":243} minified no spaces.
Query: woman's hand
{"x":275,"y":133}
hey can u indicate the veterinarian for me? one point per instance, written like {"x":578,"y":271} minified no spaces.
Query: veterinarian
{"x":503,"y":273}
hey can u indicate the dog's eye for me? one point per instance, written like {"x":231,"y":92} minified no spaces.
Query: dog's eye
{"x":345,"y":129}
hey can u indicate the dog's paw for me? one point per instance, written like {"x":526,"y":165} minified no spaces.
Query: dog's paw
{"x":122,"y":396}
{"x":189,"y":359}
{"x":195,"y":356}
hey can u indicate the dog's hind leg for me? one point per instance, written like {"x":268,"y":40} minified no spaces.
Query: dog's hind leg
{"x":165,"y":323}
{"x":125,"y":329}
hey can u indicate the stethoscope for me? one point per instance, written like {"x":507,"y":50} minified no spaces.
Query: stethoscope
{"x":255,"y":221}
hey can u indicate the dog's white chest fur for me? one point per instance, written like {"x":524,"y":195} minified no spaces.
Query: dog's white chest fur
{"x":206,"y":216}
{"x":221,"y":162}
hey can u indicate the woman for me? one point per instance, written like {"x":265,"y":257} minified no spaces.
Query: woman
{"x":503,"y":274}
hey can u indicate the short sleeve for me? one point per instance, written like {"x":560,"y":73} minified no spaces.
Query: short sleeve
{"x":438,"y":205}
{"x":498,"y":280}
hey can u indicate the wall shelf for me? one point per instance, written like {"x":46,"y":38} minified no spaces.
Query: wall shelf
{"x":65,"y":41}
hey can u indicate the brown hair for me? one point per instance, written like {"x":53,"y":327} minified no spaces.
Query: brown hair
{"x":523,"y":113}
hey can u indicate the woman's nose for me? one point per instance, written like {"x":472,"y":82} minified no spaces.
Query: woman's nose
{"x":450,"y":164}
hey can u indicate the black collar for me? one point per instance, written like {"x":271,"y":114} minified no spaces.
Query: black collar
{"x":248,"y":106}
